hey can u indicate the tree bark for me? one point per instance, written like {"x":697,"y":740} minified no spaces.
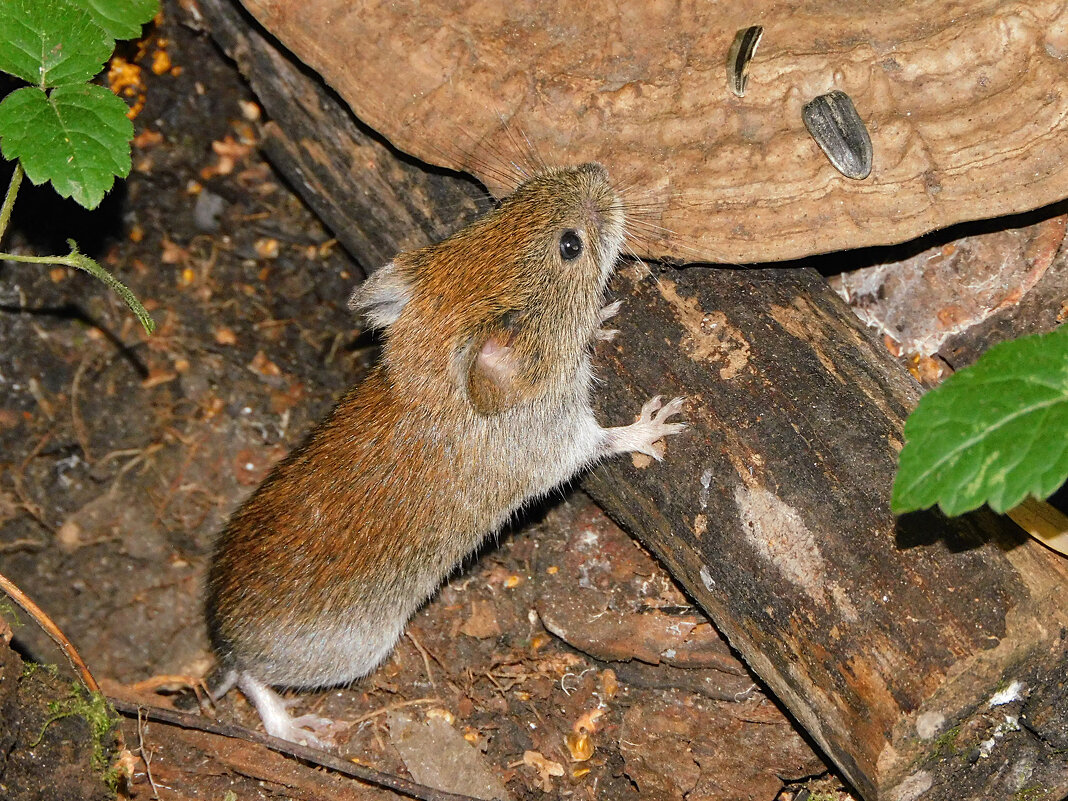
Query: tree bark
{"x":887,"y":638}
{"x":926,"y":656}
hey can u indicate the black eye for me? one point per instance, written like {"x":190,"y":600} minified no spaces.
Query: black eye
{"x":570,"y":245}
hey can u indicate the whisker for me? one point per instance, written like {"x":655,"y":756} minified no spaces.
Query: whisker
{"x":531,"y":162}
{"x":516,"y":172}
{"x":667,"y":240}
{"x":533,"y":152}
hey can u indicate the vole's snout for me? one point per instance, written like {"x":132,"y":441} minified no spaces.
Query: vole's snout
{"x":594,"y":169}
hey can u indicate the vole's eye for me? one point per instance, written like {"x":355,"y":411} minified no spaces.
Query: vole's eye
{"x":570,"y":245}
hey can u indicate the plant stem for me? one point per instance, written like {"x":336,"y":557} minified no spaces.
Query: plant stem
{"x":83,"y":262}
{"x":66,"y":261}
{"x":74,"y":259}
{"x":9,"y":199}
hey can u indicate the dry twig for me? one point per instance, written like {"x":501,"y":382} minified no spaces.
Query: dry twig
{"x":426,"y":658}
{"x":314,"y":755}
{"x":53,"y":631}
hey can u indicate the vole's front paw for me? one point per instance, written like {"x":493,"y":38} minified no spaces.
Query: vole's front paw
{"x":645,"y":435}
{"x":652,"y":425}
{"x":607,"y":313}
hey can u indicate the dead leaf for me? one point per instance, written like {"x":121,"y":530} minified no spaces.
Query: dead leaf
{"x":482,"y":622}
{"x":546,"y":769}
{"x":438,"y":756}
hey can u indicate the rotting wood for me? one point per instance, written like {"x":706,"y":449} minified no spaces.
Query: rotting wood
{"x":921,"y":653}
{"x":887,"y":638}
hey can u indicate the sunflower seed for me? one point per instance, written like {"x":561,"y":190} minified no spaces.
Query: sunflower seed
{"x":743,"y":48}
{"x":833,"y":121}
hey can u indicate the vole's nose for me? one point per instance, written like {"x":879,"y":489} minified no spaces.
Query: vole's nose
{"x":594,"y":170}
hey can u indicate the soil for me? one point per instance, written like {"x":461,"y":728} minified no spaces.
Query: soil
{"x":562,"y":661}
{"x":47,"y":745}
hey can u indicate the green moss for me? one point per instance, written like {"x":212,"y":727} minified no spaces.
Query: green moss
{"x":95,"y":710}
{"x":1032,"y":792}
{"x":947,"y":741}
{"x":30,"y":668}
{"x":10,"y":613}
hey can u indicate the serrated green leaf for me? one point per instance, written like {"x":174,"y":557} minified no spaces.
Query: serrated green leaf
{"x":77,"y":137}
{"x":122,"y":19}
{"x":992,"y":433}
{"x":51,"y":43}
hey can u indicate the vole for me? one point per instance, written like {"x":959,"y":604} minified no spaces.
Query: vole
{"x":479,"y":404}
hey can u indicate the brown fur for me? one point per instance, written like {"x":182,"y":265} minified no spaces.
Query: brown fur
{"x":480,"y":403}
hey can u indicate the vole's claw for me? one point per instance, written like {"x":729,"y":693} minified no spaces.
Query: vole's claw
{"x":611,"y":310}
{"x":313,"y":730}
{"x":606,"y":313}
{"x":646,"y":433}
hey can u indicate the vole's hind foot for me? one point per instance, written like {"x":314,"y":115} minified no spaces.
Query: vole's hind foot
{"x":276,"y":720}
{"x":644,"y":435}
{"x":607,"y":313}
{"x":315,"y":730}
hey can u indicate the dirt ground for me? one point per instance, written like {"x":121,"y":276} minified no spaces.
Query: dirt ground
{"x":562,"y":662}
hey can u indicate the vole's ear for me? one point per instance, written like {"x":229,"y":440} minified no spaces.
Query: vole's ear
{"x":496,"y":375}
{"x":492,"y":378}
{"x":382,"y":297}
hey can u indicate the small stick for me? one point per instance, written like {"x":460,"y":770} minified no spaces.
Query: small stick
{"x":426,"y":658}
{"x":199,"y":686}
{"x":387,"y":709}
{"x":28,"y":503}
{"x":314,"y":755}
{"x":21,"y":545}
{"x":146,"y":756}
{"x":80,"y":431}
{"x":52,"y":630}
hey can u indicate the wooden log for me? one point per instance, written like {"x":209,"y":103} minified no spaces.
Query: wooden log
{"x":377,"y":201}
{"x":926,"y":656}
{"x":889,"y":639}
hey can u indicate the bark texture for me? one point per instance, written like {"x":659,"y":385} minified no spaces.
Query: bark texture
{"x":889,"y":639}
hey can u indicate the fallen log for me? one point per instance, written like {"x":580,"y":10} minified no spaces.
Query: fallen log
{"x":926,"y":656}
{"x":374,"y":199}
{"x":916,"y":650}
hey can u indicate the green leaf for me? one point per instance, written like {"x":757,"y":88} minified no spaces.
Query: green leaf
{"x":51,"y":43}
{"x":992,"y":433}
{"x":77,"y":137}
{"x":122,"y":19}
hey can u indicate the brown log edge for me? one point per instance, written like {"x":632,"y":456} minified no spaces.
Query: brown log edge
{"x":377,"y":201}
{"x":914,"y":650}
{"x":926,"y":656}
